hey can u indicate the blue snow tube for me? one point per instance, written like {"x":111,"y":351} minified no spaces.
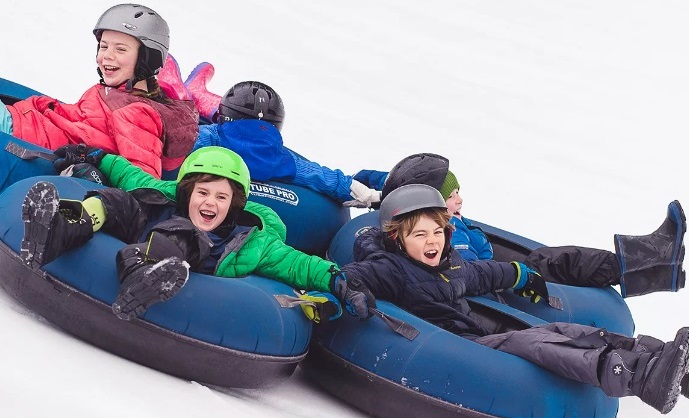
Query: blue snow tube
{"x":312,"y":219}
{"x":11,"y":92}
{"x":597,"y":307}
{"x":223,"y":331}
{"x":13,"y":168}
{"x":440,"y":374}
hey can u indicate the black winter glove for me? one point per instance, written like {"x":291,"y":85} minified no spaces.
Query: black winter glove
{"x":88,"y":172}
{"x":353,"y":294}
{"x":529,"y":283}
{"x":75,"y":154}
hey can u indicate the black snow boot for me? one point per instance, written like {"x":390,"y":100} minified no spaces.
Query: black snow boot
{"x":149,"y":273}
{"x":645,"y":343}
{"x":51,"y":226}
{"x":658,"y":379}
{"x":653,"y":263}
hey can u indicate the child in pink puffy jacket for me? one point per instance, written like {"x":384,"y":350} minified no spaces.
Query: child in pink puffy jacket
{"x":127,"y":113}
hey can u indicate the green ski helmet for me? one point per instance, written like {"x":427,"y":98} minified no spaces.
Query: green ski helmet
{"x":219,"y":161}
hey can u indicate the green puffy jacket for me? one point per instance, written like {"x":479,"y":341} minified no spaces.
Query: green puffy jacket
{"x":262,"y":251}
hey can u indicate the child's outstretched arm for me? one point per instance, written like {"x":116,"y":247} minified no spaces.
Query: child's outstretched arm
{"x":333,"y":183}
{"x":126,"y":176}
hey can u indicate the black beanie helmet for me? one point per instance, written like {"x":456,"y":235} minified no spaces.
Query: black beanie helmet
{"x":423,"y":168}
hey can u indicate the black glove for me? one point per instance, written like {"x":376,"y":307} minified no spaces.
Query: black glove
{"x":353,"y":294}
{"x":529,"y":283}
{"x":75,"y":154}
{"x":87,"y":171}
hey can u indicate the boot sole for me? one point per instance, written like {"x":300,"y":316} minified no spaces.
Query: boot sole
{"x":161,"y":282}
{"x":678,"y":274}
{"x":38,"y":210}
{"x":671,"y":373}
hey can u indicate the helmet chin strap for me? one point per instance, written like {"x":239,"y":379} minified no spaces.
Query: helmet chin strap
{"x":129,"y":83}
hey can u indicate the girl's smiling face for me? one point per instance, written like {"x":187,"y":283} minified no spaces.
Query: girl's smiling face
{"x":425,"y":241}
{"x":117,"y":57}
{"x":209,"y":204}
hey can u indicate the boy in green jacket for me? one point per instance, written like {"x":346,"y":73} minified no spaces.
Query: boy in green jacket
{"x":201,"y":222}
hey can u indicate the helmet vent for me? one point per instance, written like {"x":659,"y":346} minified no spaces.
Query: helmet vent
{"x":138,"y":15}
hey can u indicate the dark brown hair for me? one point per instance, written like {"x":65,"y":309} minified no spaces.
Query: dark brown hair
{"x":154,"y":92}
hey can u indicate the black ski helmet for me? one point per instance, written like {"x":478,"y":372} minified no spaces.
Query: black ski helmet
{"x":144,"y":24}
{"x":252,"y":100}
{"x":424,"y":168}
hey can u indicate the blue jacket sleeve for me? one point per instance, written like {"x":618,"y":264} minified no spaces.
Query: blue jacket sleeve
{"x":333,"y":183}
{"x":372,"y":178}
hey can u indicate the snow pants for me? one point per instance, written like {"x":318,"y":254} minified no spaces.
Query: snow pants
{"x":577,"y":352}
{"x":576,"y":266}
{"x":146,"y":221}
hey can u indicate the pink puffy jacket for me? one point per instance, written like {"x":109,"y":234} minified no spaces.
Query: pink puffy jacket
{"x":151,"y":135}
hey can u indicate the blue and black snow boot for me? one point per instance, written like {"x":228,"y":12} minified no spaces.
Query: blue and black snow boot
{"x":149,"y":273}
{"x":51,"y":226}
{"x":658,"y":380}
{"x":653,"y":263}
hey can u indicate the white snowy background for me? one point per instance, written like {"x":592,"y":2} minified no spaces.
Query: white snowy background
{"x":565,"y":121}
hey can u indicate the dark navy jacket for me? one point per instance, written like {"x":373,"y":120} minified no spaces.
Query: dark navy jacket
{"x":435,"y":294}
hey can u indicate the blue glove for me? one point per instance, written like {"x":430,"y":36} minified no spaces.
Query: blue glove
{"x":353,"y":294}
{"x":529,"y":283}
{"x":372,"y":178}
{"x":75,"y":154}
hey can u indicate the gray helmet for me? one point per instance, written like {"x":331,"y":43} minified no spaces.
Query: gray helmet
{"x":145,"y":25}
{"x":409,"y":198}
{"x":252,"y":100}
{"x":424,"y":168}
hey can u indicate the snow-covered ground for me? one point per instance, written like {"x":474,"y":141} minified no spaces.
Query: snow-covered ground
{"x":565,"y":122}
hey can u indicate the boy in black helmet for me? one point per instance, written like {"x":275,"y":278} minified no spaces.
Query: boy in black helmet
{"x":248,"y":119}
